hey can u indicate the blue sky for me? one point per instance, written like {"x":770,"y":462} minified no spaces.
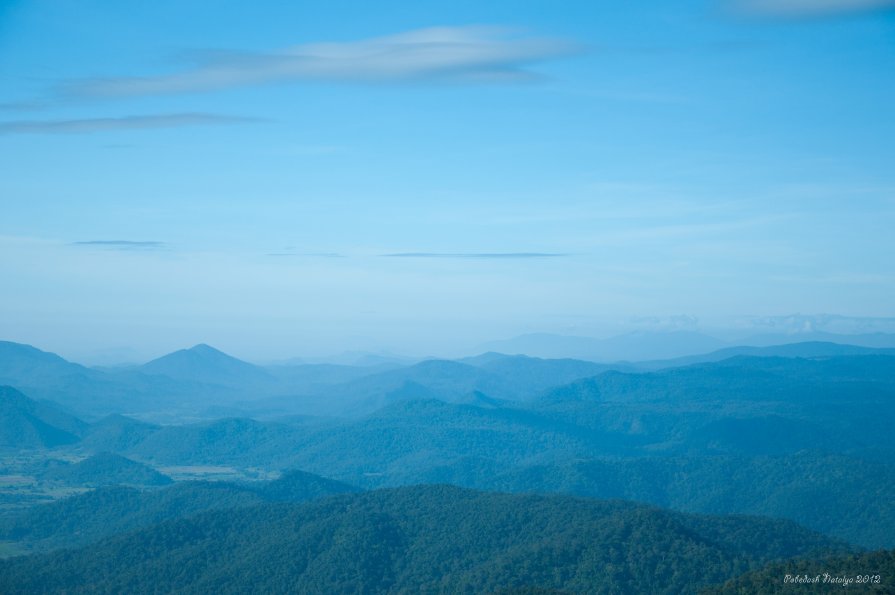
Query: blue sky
{"x":287,"y":178}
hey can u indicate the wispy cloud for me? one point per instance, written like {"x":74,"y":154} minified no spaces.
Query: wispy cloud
{"x":306,"y":254}
{"x":122,"y":244}
{"x":24,"y":106}
{"x":88,"y":125}
{"x":808,"y":8}
{"x":498,"y":255}
{"x":466,"y":54}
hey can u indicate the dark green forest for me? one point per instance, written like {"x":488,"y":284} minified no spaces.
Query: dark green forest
{"x":426,"y":538}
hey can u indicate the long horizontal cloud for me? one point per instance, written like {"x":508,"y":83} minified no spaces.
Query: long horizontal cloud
{"x":473,"y":54}
{"x":473,"y":255}
{"x":809,"y":8}
{"x":306,"y":254}
{"x":88,"y":125}
{"x":122,"y":244}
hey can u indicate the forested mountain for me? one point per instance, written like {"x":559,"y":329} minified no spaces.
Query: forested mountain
{"x":758,"y":435}
{"x":227,"y":441}
{"x":842,"y":496}
{"x":427,"y":538}
{"x":105,"y":469}
{"x":106,"y":511}
{"x":116,"y":433}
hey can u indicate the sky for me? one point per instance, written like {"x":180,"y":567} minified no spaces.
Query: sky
{"x":291,"y":178}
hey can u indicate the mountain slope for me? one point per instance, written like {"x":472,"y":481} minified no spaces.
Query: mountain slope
{"x":116,"y":433}
{"x":106,"y":469}
{"x":26,"y":423}
{"x":225,"y":441}
{"x":868,"y":573}
{"x":87,"y":517}
{"x":425,"y":538}
{"x":203,"y":363}
{"x":20,"y":362}
{"x":845,"y":497}
{"x":635,"y":346}
{"x":806,"y":349}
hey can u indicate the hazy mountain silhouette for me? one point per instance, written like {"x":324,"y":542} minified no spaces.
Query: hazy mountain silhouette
{"x":26,"y":423}
{"x":203,"y":363}
{"x":808,"y":349}
{"x":872,"y":340}
{"x":635,"y":346}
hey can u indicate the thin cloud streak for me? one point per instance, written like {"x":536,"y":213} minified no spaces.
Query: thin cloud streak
{"x":90,"y":125}
{"x":496,"y":255}
{"x":306,"y":254}
{"x":24,"y":106}
{"x":122,"y":244}
{"x":464,"y":54}
{"x":808,"y":8}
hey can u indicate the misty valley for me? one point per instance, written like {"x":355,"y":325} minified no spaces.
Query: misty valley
{"x":721,"y":472}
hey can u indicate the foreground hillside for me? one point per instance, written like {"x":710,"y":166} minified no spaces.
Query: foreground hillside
{"x":424,"y":538}
{"x":84,"y":518}
{"x":869,"y":573}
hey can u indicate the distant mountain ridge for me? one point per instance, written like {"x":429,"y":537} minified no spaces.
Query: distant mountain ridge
{"x":807,"y":349}
{"x":26,"y":423}
{"x":438,"y":425}
{"x":203,"y":381}
{"x":635,"y":346}
{"x":18,"y":360}
{"x":203,"y":363}
{"x":644,"y":346}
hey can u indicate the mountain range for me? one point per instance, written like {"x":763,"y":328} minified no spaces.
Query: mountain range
{"x":795,"y":433}
{"x":202,"y":382}
{"x":742,"y":429}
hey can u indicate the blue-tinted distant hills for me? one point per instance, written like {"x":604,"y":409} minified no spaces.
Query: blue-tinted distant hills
{"x":872,"y":340}
{"x":493,"y":376}
{"x":807,"y":349}
{"x":768,"y":417}
{"x":205,"y":382}
{"x":18,"y":361}
{"x":26,"y":423}
{"x":203,"y":363}
{"x":116,"y":433}
{"x":635,"y":346}
{"x":650,"y":346}
{"x":95,"y":392}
